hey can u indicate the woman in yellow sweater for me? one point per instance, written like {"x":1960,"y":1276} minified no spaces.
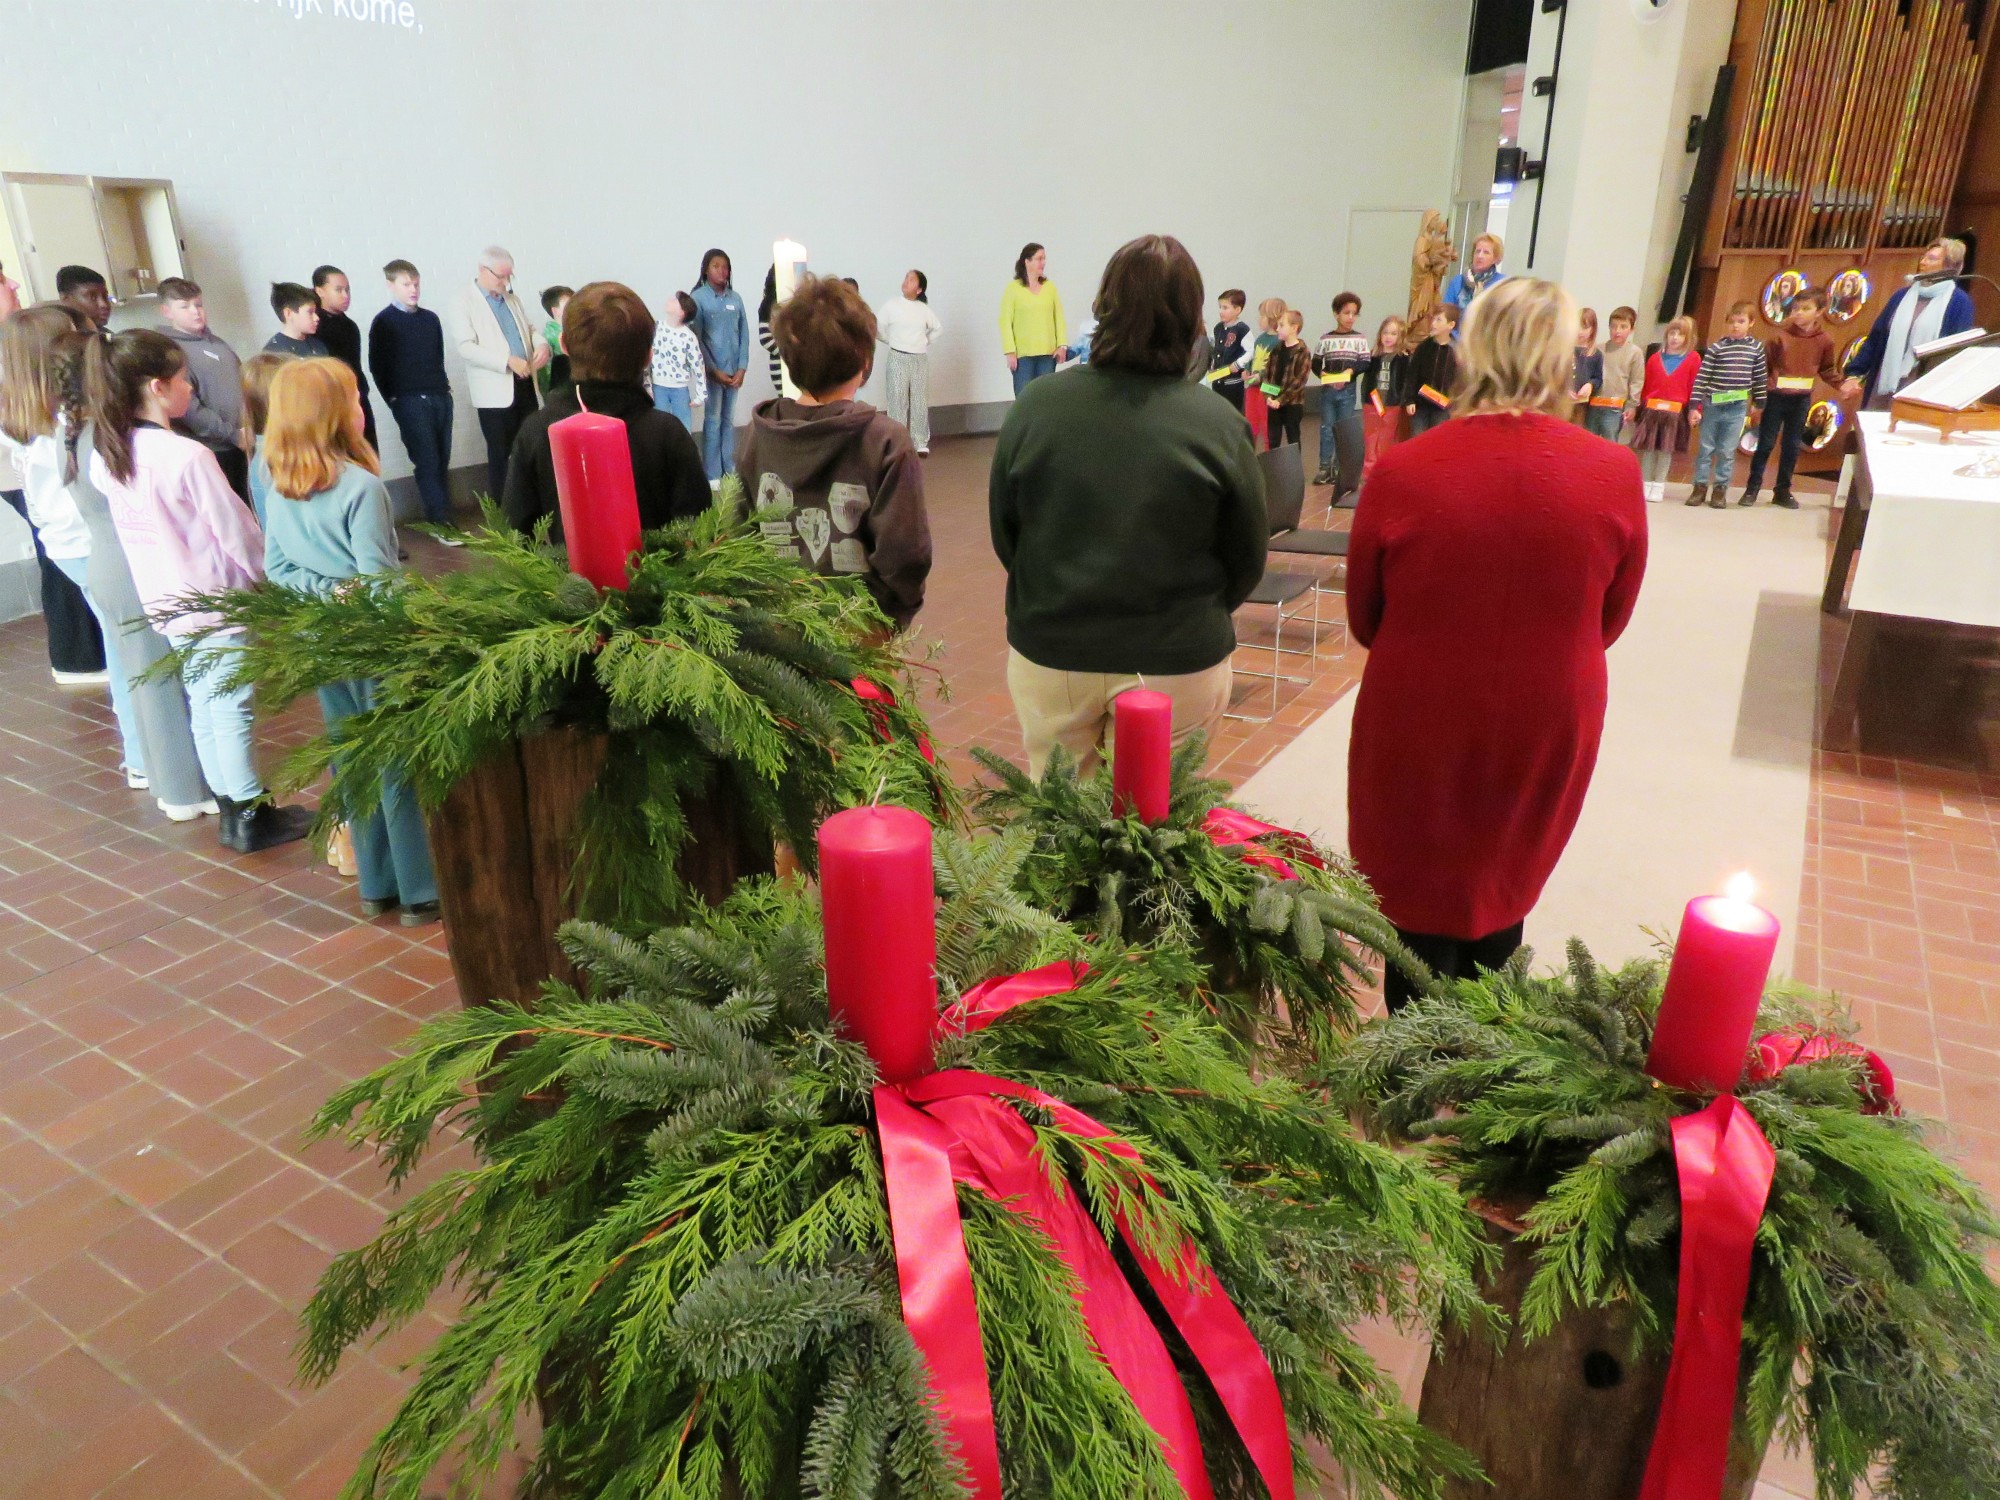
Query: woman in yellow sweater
{"x":1031,"y":318}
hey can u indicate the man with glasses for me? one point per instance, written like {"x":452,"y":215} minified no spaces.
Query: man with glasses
{"x":502,"y":350}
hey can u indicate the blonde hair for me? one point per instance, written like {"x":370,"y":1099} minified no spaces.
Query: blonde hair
{"x":1686,"y":325}
{"x":1270,"y":310}
{"x":1586,"y":317}
{"x":1292,"y":318}
{"x":1499,"y":246}
{"x":1516,"y":349}
{"x":1383,"y":327}
{"x":314,"y":429}
{"x":37,"y":350}
{"x":1954,"y":252}
{"x":259,"y":370}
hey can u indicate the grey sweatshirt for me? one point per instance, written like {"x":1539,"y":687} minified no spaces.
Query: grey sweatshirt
{"x":216,"y":414}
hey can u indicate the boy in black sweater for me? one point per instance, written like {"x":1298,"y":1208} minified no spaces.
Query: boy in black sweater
{"x":608,"y":332}
{"x":298,"y":313}
{"x":406,"y":357}
{"x":342,"y":336}
{"x":1433,"y":372}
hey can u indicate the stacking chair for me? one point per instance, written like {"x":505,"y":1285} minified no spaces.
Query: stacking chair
{"x":1284,"y":500}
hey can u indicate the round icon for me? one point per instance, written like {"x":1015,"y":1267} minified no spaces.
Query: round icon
{"x":1847,"y":294}
{"x":1824,"y":421}
{"x":1778,"y":294}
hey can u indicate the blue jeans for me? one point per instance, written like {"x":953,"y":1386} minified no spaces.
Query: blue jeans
{"x":390,"y":845}
{"x":1029,"y":367}
{"x":220,"y":718}
{"x":674,"y":398}
{"x":1427,"y":416}
{"x":1715,"y":448}
{"x":718,"y":430}
{"x":1608,"y":422}
{"x":75,"y":569}
{"x":425,"y":424}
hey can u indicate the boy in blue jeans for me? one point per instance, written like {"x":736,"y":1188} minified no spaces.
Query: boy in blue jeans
{"x":1730,"y":385}
{"x":1339,"y":361}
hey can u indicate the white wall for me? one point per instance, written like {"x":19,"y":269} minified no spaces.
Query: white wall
{"x":1631,"y":76}
{"x":620,"y":138}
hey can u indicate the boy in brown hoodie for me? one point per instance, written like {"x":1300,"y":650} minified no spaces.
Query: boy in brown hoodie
{"x":1799,"y":353}
{"x":840,"y":482}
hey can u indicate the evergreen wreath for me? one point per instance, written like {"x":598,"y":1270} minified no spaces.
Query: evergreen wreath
{"x":1872,"y":1328}
{"x":722,"y":670}
{"x":1306,"y":942}
{"x":676,"y":1237}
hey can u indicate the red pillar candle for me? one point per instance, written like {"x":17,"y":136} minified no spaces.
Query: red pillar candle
{"x":876,"y":897}
{"x":1142,"y":749}
{"x":1709,"y":1009}
{"x":594,"y":488}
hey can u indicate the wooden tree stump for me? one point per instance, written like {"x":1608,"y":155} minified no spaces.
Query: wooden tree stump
{"x":1567,"y":1416}
{"x":504,"y":843}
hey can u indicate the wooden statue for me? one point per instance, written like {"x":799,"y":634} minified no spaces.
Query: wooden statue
{"x":1430,"y":261}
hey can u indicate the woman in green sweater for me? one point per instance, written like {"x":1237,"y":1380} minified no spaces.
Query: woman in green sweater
{"x":328,"y":523}
{"x":1031,"y":318}
{"x":1128,"y":510}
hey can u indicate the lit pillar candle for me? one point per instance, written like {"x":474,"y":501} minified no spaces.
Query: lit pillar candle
{"x":1142,"y":748}
{"x":1709,"y":1009}
{"x":789,"y":259}
{"x":595,"y":492}
{"x":877,"y":902}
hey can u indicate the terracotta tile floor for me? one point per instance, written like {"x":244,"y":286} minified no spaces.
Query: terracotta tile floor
{"x":171,"y":1015}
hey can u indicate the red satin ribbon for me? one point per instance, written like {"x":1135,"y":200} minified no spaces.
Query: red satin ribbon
{"x":880,"y":700}
{"x":1725,"y":1167}
{"x":1779,"y":1050}
{"x":1225,"y":825}
{"x":950,"y":1127}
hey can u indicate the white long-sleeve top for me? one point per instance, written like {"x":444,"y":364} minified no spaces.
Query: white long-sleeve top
{"x":183,"y":528}
{"x":907,"y":327}
{"x":64,"y":536}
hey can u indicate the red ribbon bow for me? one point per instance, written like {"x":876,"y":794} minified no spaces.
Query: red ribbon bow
{"x":950,"y":1127}
{"x":1225,"y":826}
{"x":1725,"y":1166}
{"x":879,"y":701}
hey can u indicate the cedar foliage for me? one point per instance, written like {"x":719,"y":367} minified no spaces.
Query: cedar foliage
{"x":675,"y":1237}
{"x":723,"y":670}
{"x":1872,"y":1328}
{"x":1262,"y":940}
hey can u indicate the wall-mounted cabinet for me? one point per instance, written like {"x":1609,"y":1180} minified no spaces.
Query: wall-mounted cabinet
{"x":126,"y":227}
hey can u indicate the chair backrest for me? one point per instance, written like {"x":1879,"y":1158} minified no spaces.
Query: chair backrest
{"x":1284,"y":485}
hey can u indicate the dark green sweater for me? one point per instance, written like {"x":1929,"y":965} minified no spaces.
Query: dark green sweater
{"x":1129,"y":513}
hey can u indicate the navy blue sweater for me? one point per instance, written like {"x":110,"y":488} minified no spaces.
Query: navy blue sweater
{"x":406,"y":353}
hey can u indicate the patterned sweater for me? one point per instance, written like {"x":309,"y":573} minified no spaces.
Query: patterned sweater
{"x":1340,"y":353}
{"x":1287,"y":369}
{"x":1733,"y":369}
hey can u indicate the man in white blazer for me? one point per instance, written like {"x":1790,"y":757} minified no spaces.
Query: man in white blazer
{"x":502,"y":350}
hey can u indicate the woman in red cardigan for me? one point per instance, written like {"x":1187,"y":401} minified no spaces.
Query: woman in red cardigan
{"x":1493,"y":561}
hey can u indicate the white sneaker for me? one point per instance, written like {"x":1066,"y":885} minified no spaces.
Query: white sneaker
{"x":137,"y":780}
{"x":187,"y":812}
{"x":1656,"y":491}
{"x":79,"y":679}
{"x":450,"y":539}
{"x":923,"y":453}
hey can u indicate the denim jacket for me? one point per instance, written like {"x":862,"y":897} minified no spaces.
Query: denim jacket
{"x":723,"y":327}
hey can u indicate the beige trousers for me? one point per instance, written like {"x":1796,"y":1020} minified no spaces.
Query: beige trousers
{"x":1073,"y":709}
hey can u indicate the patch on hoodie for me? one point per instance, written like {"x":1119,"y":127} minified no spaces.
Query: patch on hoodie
{"x":815,"y":529}
{"x":849,"y":504}
{"x":773,"y":493}
{"x":849,"y":556}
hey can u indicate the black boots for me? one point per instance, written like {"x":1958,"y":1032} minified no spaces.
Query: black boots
{"x":1749,"y":496}
{"x":1784,"y":501}
{"x":262,"y":824}
{"x":1698,"y":495}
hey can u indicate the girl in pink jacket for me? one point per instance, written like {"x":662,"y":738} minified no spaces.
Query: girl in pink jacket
{"x":184,"y":531}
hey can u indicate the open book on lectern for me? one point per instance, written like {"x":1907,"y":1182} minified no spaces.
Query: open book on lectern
{"x":1960,"y":383}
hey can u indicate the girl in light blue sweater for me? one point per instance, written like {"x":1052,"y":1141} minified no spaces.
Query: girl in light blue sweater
{"x":328,"y":523}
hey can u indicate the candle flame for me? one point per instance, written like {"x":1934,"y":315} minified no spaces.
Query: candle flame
{"x":1740,"y":886}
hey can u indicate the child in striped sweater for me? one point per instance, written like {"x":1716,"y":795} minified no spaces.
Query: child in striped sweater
{"x":1726,"y":392}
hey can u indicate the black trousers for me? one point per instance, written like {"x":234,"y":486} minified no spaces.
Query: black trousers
{"x":501,"y":425}
{"x":1230,"y":391}
{"x":235,"y":466}
{"x":1449,"y":958}
{"x":75,"y":643}
{"x":1284,"y":425}
{"x":1783,"y":426}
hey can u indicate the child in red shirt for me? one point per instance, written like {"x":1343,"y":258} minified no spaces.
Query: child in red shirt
{"x":1662,"y":428}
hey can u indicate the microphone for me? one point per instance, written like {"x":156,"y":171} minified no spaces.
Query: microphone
{"x":1929,"y":278}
